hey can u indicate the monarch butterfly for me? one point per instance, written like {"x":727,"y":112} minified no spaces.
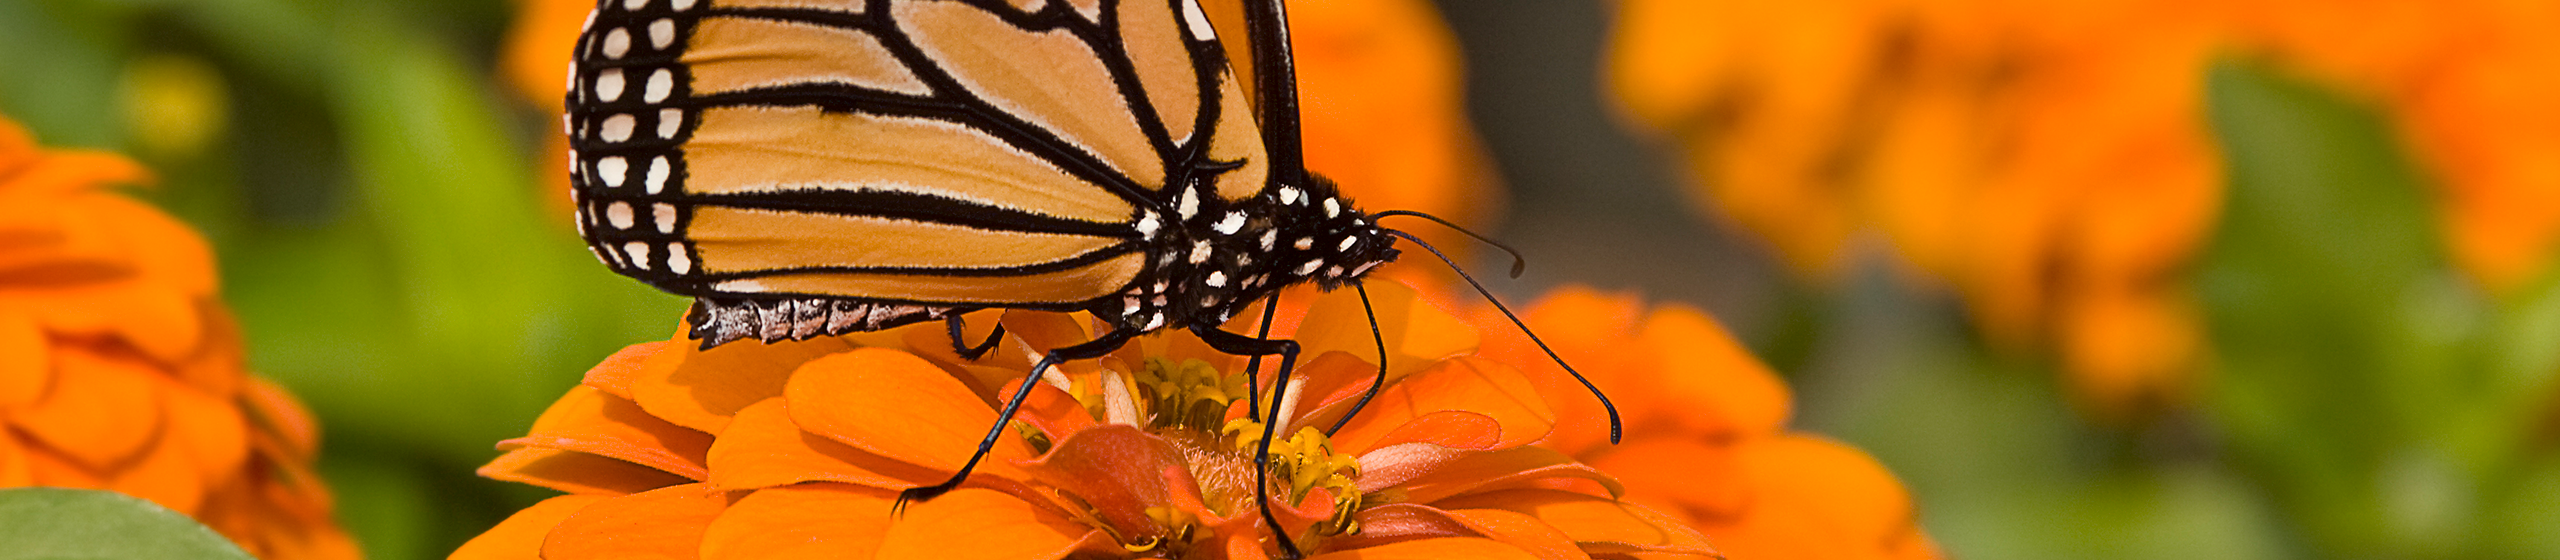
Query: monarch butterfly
{"x":818,"y":167}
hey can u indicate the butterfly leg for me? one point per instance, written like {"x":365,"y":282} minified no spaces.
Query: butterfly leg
{"x":1089,"y":350}
{"x":1242,"y":345}
{"x":959,"y":336}
{"x":1253,"y":365}
{"x":1375,"y":384}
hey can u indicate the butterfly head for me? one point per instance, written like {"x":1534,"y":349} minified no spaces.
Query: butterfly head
{"x":1339,"y":244}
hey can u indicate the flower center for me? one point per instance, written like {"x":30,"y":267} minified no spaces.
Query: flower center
{"x":1303,"y":463}
{"x":1188,"y":405}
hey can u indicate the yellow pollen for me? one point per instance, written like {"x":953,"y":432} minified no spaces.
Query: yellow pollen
{"x":1304,"y":462}
{"x":1191,"y":395}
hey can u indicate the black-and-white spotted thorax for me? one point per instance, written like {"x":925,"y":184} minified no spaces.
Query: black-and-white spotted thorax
{"x":1211,"y":258}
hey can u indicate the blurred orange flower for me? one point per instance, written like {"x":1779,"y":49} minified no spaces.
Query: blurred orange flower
{"x":2470,"y":84}
{"x":2048,"y":161}
{"x":798,"y":449}
{"x":120,"y":370}
{"x":1706,"y":436}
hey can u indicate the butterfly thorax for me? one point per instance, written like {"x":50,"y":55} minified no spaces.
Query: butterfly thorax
{"x":1210,"y":258}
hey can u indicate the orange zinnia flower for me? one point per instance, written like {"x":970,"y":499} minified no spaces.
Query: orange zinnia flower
{"x":1706,"y":435}
{"x":2049,"y":162}
{"x":120,"y":370}
{"x":798,"y":449}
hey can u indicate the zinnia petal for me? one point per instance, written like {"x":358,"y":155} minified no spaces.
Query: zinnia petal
{"x":211,"y":430}
{"x":1601,"y":524}
{"x":100,"y":412}
{"x":26,"y":364}
{"x":1105,"y":469}
{"x":1417,"y":332}
{"x":701,"y":389}
{"x":520,"y":536}
{"x":163,"y":474}
{"x":899,"y":406}
{"x":1692,"y":474}
{"x":589,"y":421}
{"x":819,"y":521}
{"x":617,"y":372}
{"x":577,"y":473}
{"x":1812,"y":482}
{"x":1433,"y":549}
{"x":1462,"y":384}
{"x":666,"y":523}
{"x":1428,"y":473}
{"x":765,"y":448}
{"x":1520,"y":530}
{"x":977,"y":524}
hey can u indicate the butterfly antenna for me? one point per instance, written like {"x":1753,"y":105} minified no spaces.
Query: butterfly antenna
{"x":1615,"y":427}
{"x":1518,"y":263}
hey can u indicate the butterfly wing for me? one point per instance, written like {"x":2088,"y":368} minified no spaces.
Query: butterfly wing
{"x":931,"y":153}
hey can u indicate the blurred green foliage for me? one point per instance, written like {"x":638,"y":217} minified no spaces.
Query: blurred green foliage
{"x":375,"y":201}
{"x":67,"y":524}
{"x":383,"y":241}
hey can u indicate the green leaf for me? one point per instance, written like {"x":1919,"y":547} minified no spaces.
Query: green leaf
{"x":65,"y":524}
{"x":2356,"y":375}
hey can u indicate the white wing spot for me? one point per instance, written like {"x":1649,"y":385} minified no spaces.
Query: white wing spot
{"x":1332,"y":207}
{"x":1304,"y":243}
{"x":1269,"y":238}
{"x":670,"y":121}
{"x":1347,"y":242}
{"x":609,"y":85}
{"x":617,"y":128}
{"x":661,"y":83}
{"x":1190,"y":203}
{"x":634,"y":5}
{"x":612,"y":169}
{"x":1310,"y":267}
{"x":617,"y":43}
{"x":657,"y":180}
{"x":666,"y":217}
{"x":1364,"y":269}
{"x":1153,"y":323}
{"x":1335,"y":272}
{"x":682,"y":5}
{"x":1199,"y":22}
{"x":619,"y":214}
{"x":662,"y":33}
{"x":1288,"y":195}
{"x":677,"y":261}
{"x":1148,"y":224}
{"x":1217,"y":280}
{"x":1199,"y":252}
{"x":1232,"y":224}
{"x":608,"y":261}
{"x":639,"y":254}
